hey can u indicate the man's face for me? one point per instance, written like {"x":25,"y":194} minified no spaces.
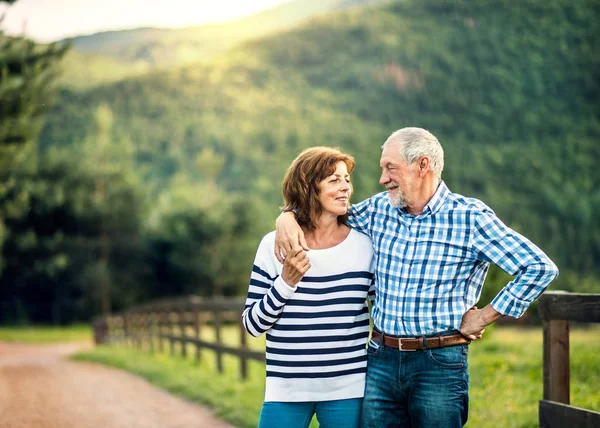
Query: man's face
{"x":397,"y":176}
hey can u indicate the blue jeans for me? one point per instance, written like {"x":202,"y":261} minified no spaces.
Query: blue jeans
{"x":419,"y":389}
{"x":330,"y":414}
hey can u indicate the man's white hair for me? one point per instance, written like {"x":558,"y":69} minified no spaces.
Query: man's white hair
{"x":416,"y":142}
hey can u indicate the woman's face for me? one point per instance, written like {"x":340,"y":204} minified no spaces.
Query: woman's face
{"x":335,"y":191}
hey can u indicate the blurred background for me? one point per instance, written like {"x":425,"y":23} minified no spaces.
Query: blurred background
{"x":143,"y":144}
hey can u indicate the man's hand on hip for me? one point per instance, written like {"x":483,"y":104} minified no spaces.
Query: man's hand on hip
{"x":474,"y":321}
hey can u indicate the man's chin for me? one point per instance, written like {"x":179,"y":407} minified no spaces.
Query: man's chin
{"x":395,"y":202}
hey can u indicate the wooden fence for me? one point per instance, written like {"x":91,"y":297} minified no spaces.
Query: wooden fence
{"x":179,"y":323}
{"x":557,"y":309}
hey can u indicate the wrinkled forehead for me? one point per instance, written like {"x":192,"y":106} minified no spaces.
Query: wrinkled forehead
{"x":390,"y":154}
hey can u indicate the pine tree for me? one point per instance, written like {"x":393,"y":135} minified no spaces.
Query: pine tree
{"x":27,"y":71}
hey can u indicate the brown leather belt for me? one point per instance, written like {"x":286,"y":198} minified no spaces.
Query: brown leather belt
{"x":420,"y":343}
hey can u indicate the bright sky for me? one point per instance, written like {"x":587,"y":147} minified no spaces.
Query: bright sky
{"x":50,"y":20}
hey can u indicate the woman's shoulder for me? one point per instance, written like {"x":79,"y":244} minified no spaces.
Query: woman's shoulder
{"x":267,"y":242}
{"x":359,"y":238}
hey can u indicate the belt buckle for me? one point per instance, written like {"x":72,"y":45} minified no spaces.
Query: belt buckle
{"x":402,"y":349}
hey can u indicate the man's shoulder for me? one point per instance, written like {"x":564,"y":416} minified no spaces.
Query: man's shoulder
{"x":459,"y":203}
{"x":380,"y":200}
{"x":376,"y":202}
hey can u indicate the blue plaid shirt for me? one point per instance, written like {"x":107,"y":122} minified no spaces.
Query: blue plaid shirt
{"x":430,"y":268}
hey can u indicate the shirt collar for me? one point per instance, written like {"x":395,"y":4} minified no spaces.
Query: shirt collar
{"x":435,"y":203}
{"x":437,"y":200}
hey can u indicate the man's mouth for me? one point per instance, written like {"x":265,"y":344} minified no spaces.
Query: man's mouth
{"x":392,"y":186}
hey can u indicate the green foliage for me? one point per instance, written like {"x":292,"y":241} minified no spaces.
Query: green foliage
{"x":81,"y":70}
{"x":197,"y":241}
{"x":26,"y":74}
{"x":52,"y":249}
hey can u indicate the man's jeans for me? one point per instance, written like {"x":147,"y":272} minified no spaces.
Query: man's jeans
{"x":420,"y":389}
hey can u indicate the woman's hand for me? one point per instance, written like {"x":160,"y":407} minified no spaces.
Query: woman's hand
{"x":288,"y":236}
{"x":296,"y":264}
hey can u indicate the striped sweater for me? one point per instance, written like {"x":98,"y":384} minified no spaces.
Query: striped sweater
{"x":316,"y":331}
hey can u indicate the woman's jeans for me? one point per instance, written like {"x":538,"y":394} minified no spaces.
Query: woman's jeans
{"x":330,"y":414}
{"x":419,"y":389}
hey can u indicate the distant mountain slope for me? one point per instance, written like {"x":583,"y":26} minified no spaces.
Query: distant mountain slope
{"x":81,"y":71}
{"x":168,"y":47}
{"x":511,"y":89}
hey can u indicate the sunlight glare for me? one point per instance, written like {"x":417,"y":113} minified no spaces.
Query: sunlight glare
{"x":56,"y":19}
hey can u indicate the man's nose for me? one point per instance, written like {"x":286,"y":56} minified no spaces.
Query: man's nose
{"x":384,"y":178}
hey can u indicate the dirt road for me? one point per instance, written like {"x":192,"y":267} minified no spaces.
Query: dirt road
{"x":41,"y":388}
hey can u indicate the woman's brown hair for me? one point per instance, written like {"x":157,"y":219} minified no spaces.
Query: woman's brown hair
{"x":300,"y":185}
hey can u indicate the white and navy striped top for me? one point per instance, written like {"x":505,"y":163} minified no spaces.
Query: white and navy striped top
{"x":316,"y":331}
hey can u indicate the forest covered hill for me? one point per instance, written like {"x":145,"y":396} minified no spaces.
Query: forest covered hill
{"x":512,"y":95}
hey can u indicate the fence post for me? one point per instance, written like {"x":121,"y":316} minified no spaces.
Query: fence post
{"x":138,"y":329}
{"x":150,"y":328}
{"x":171,"y":327}
{"x":244,"y":347}
{"x":181,"y":314}
{"x":217,"y":323}
{"x":556,"y":361}
{"x":125,"y":329}
{"x":196,"y":316}
{"x":101,"y":331}
{"x":161,"y":328}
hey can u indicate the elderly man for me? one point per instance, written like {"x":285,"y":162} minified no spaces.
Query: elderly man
{"x":433,"y":249}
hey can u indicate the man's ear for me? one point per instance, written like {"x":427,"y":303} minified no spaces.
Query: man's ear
{"x":423,"y":165}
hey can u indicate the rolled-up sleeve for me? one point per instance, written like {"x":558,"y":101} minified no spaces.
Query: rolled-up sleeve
{"x":494,"y":242}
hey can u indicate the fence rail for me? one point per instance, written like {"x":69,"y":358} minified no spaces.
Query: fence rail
{"x":179,"y":323}
{"x":557,"y":309}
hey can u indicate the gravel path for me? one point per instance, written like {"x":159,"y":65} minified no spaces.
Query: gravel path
{"x":40,"y":388}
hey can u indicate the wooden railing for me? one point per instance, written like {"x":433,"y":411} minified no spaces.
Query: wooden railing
{"x":557,"y":309}
{"x":179,"y":323}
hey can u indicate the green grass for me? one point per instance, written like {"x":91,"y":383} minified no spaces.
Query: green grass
{"x":46,"y":334}
{"x":506,"y":377}
{"x":505,"y":374}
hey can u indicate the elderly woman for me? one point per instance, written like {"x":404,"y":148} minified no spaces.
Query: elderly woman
{"x":313,"y":307}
